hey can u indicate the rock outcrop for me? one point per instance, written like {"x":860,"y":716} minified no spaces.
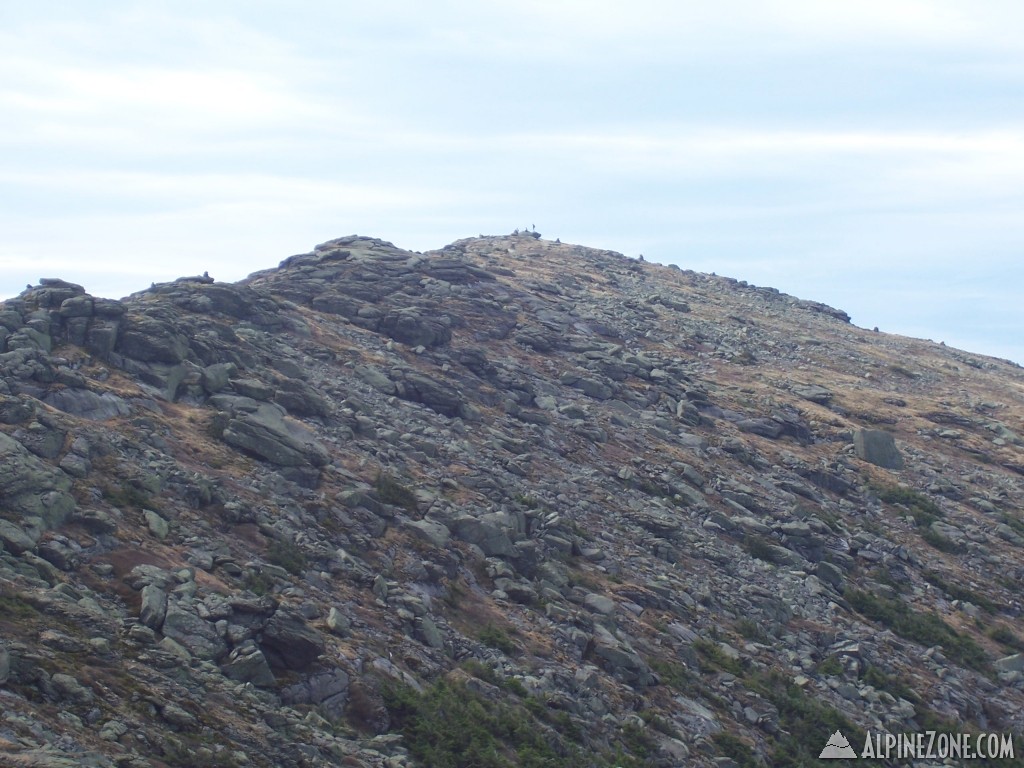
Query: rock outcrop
{"x":529,"y":498}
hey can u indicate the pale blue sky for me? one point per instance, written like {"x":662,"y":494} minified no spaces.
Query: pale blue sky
{"x":866,"y":154}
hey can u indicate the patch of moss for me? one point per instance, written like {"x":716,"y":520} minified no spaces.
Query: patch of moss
{"x":751,"y":630}
{"x":761,"y":548}
{"x":894,"y":686}
{"x":258,"y":582}
{"x":675,"y":675}
{"x":127,"y":495}
{"x":940,"y":542}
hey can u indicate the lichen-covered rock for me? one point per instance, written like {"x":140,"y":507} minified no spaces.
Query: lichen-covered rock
{"x":197,"y":635}
{"x":247,"y":664}
{"x":154,"y":606}
{"x":491,"y":539}
{"x":269,"y":434}
{"x":877,"y":447}
{"x":152,"y":338}
{"x":327,"y":690}
{"x":415,"y":327}
{"x":289,"y":642}
{"x":86,"y":404}
{"x":30,"y":487}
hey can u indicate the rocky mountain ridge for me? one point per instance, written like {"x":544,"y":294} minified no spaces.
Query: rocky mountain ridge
{"x":516,"y":501}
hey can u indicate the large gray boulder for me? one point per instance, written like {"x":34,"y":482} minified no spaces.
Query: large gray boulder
{"x":154,"y":606}
{"x":87,"y":404}
{"x":877,"y":447}
{"x":152,"y":339}
{"x":327,"y":690}
{"x":436,"y":395}
{"x":194,"y":633}
{"x":30,"y":487}
{"x":268,"y":434}
{"x":289,"y":642}
{"x":618,"y":658}
{"x":492,"y":540}
{"x":247,"y":664}
{"x":414,"y":327}
{"x":16,"y":539}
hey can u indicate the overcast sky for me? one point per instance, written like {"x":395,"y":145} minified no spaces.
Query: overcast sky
{"x":864,"y":153}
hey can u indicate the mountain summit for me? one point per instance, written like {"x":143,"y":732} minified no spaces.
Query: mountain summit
{"x":510,"y":503}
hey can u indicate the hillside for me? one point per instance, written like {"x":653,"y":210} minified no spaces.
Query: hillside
{"x":525,"y":502}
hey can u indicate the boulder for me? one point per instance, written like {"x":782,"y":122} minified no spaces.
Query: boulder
{"x":327,"y":690}
{"x":298,"y":398}
{"x":194,"y":633}
{"x":376,"y":379}
{"x":289,"y":642}
{"x":269,"y":434}
{"x":154,"y":606}
{"x":430,"y":531}
{"x":599,"y":604}
{"x":152,"y":340}
{"x":877,"y":447}
{"x":15,"y":539}
{"x":217,"y":376}
{"x":762,"y":426}
{"x":415,"y":328}
{"x":30,"y":487}
{"x":248,"y":664}
{"x":14,"y":410}
{"x":618,"y":658}
{"x":1014,"y":663}
{"x":436,"y":395}
{"x":87,"y":404}
{"x":814,"y":393}
{"x":489,"y":537}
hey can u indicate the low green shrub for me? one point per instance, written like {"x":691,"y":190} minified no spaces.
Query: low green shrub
{"x":804,"y":722}
{"x":924,"y":510}
{"x":921,"y":627}
{"x":287,"y":555}
{"x":450,"y":725}
{"x":957,"y":592}
{"x":392,"y":492}
{"x":497,"y":638}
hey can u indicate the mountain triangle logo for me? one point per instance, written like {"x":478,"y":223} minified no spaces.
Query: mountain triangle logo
{"x":838,"y":748}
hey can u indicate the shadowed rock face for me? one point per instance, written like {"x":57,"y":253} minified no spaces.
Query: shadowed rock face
{"x":263,"y":523}
{"x":878,"y":448}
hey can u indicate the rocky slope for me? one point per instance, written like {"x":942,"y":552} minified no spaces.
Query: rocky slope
{"x":520,"y":501}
